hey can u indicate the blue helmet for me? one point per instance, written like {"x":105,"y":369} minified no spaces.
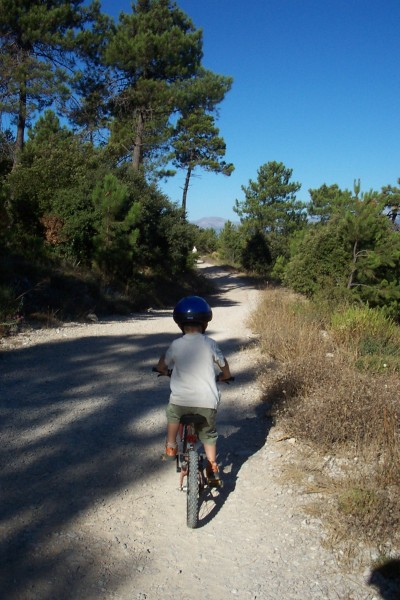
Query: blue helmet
{"x":192,"y":309}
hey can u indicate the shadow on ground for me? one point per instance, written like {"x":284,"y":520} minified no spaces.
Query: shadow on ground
{"x":69,"y":443}
{"x":246,"y":435}
{"x":68,"y":411}
{"x":226,"y":281}
{"x":386,"y":579}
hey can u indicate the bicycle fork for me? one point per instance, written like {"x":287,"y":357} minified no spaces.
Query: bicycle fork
{"x":182,"y":467}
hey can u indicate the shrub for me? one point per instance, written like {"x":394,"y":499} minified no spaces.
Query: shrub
{"x":358,"y":322}
{"x":319,"y":395}
{"x":371,"y":334}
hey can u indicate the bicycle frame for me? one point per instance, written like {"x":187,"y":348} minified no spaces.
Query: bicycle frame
{"x":190,"y":464}
{"x":189,"y":441}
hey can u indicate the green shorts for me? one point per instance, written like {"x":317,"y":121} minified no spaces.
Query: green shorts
{"x":207,"y":433}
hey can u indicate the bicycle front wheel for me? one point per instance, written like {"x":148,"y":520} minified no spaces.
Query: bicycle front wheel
{"x":193,"y":490}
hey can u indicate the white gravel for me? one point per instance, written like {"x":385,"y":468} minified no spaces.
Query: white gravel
{"x":89,"y":511}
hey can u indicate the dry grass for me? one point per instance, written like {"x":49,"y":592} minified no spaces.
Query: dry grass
{"x":321,"y":396}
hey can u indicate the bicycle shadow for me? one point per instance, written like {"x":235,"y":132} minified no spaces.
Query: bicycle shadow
{"x":245,"y":436}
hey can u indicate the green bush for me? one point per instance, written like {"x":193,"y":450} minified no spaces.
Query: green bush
{"x":230,"y":243}
{"x":372,"y":334}
{"x":256,"y":255}
{"x":320,"y":262}
{"x":357,"y":323}
{"x":278,"y":270}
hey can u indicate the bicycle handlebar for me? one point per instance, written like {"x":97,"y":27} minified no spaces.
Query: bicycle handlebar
{"x":168,"y":374}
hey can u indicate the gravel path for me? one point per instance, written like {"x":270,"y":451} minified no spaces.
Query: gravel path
{"x":90,"y":512}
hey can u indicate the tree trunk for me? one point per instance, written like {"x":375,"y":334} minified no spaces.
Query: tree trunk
{"x":186,"y":187}
{"x":354,"y":269}
{"x":19,"y":142}
{"x":137,"y":156}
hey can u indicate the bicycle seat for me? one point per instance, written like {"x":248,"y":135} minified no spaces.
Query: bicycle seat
{"x":195,"y":419}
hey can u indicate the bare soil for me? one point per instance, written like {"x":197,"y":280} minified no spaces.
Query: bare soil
{"x":90,"y":511}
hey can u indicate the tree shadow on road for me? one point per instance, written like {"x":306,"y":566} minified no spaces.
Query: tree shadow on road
{"x":247,"y":434}
{"x":70,"y":441}
{"x":227,"y":282}
{"x":67,"y":443}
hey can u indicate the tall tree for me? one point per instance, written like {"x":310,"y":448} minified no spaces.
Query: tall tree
{"x":89,"y":112}
{"x":152,"y":49}
{"x":205,"y":90}
{"x":353,"y":255}
{"x":328,"y":200}
{"x":197,"y":144}
{"x":270,"y":204}
{"x":89,"y":105}
{"x":37,"y":43}
{"x":270,"y":214}
{"x":371,"y":242}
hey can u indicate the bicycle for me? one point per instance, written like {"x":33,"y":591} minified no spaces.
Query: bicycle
{"x":191,"y":463}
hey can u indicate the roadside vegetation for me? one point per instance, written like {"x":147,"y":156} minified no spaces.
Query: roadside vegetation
{"x":94,"y":113}
{"x":329,"y":336}
{"x":331,"y":382}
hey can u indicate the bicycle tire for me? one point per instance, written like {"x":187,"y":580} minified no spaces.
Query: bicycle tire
{"x":192,"y":498}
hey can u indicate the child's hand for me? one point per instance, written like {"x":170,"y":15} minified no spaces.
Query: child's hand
{"x":162,"y":372}
{"x":224,"y":379}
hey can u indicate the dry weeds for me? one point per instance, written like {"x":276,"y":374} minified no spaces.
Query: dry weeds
{"x":321,"y":396}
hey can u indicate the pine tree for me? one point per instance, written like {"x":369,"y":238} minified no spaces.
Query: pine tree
{"x":152,"y":49}
{"x":328,"y":200}
{"x":197,"y":144}
{"x":270,"y":204}
{"x":37,"y":50}
{"x":89,"y":106}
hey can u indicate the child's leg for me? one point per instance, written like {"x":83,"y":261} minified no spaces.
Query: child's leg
{"x":209,"y":436}
{"x":172,"y":432}
{"x":211,"y":452}
{"x":212,"y":469}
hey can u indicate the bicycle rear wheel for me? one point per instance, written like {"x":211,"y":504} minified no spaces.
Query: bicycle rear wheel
{"x":192,"y":500}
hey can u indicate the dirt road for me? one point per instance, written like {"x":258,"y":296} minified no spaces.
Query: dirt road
{"x":90,"y":512}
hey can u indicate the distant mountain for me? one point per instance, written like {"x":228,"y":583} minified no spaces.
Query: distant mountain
{"x":216,"y":223}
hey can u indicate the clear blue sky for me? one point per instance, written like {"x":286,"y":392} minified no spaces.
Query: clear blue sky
{"x":316,"y":86}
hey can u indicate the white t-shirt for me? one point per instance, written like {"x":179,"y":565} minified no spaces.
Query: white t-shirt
{"x":192,"y":359}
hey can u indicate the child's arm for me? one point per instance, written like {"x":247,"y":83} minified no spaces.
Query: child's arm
{"x":225,"y":372}
{"x":162,"y":365}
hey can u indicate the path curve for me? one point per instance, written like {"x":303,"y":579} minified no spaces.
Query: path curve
{"x":90,"y":512}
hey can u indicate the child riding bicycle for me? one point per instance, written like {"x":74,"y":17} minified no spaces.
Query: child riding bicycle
{"x":193,"y":383}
